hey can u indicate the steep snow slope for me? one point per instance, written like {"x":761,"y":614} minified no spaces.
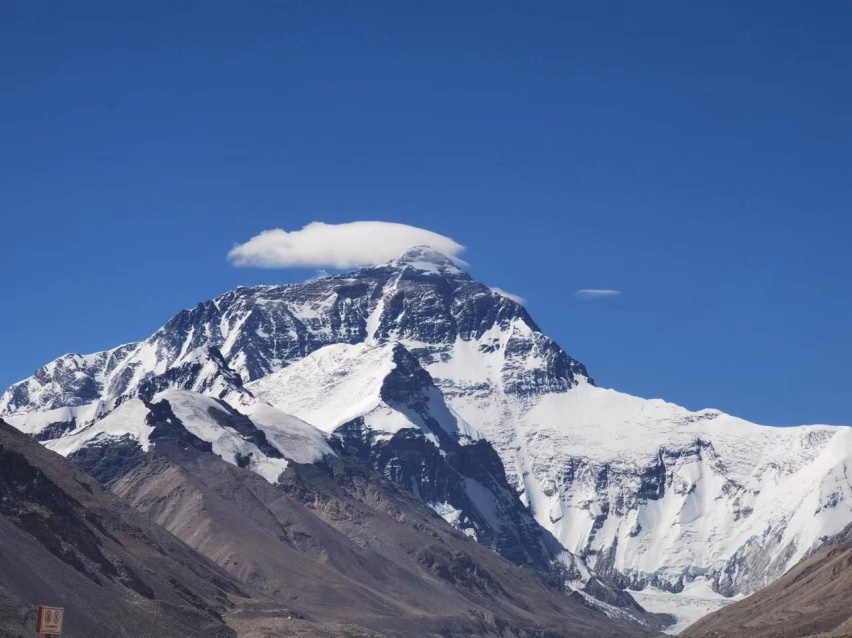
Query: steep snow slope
{"x":353,"y":382}
{"x":650,"y":492}
{"x":263,"y":442}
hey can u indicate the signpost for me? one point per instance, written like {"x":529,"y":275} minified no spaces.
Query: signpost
{"x":49,"y":622}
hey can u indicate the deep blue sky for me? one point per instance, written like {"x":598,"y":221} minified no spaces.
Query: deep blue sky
{"x":698,"y":158}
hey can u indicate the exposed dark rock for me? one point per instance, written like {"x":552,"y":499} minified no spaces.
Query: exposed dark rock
{"x":55,"y":430}
{"x":107,"y":460}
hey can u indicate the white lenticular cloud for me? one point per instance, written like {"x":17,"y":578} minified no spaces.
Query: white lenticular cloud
{"x":321,"y":245}
{"x":596,"y":293}
{"x":515,"y":298}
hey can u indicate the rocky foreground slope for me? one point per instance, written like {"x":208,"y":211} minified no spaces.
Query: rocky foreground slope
{"x":64,"y":541}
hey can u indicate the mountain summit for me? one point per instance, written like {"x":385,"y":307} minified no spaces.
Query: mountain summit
{"x":426,"y":258}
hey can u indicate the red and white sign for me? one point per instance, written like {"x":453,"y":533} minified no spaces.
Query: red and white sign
{"x":49,"y":620}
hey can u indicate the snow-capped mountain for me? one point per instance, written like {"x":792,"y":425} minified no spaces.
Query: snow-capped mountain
{"x":422,"y":299}
{"x":648,"y":492}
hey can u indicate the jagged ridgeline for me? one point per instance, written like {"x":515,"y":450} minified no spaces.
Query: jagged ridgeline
{"x":453,"y":392}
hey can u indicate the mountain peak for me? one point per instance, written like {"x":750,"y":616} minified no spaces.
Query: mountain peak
{"x":427,"y":259}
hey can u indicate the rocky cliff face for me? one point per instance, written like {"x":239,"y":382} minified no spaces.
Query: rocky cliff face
{"x":647,"y":492}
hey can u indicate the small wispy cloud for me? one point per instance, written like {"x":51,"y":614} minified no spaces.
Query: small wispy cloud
{"x":596,"y":293}
{"x":515,"y":298}
{"x":322,"y":273}
{"x":319,"y":245}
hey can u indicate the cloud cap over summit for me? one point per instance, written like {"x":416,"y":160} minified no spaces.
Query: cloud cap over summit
{"x":349,"y":245}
